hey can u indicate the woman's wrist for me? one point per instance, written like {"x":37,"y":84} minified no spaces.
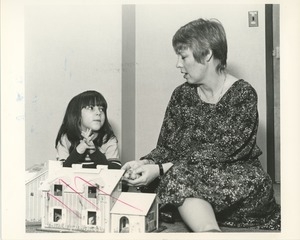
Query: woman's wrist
{"x":164,"y":167}
{"x":160,"y":169}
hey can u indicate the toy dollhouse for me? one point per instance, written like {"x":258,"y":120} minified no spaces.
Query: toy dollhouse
{"x":91,"y":200}
{"x":142,"y":218}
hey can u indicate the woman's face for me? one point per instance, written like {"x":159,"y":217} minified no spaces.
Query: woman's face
{"x":194,"y":72}
{"x":92,"y":117}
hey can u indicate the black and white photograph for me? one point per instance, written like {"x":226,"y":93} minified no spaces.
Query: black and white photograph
{"x":151,"y":120}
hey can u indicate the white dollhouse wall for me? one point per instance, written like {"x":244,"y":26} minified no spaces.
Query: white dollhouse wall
{"x":134,"y":223}
{"x":91,"y":200}
{"x":78,"y":199}
{"x":138,"y":215}
{"x":33,"y":195}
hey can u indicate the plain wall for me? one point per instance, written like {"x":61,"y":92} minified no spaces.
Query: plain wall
{"x":68,"y":49}
{"x":157,"y":77}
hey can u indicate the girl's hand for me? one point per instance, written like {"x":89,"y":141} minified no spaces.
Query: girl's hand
{"x":146,"y":174}
{"x":87,"y":142}
{"x":88,"y":135}
{"x":83,"y":146}
{"x":88,"y":138}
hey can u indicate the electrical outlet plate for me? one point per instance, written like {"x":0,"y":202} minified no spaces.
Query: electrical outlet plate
{"x":253,"y":18}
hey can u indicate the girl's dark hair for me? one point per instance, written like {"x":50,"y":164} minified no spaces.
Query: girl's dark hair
{"x":72,"y":119}
{"x":201,"y":35}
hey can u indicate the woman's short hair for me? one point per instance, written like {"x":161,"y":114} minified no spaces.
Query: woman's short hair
{"x":201,"y":35}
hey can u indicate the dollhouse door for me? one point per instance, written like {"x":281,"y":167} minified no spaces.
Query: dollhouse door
{"x":124,"y":225}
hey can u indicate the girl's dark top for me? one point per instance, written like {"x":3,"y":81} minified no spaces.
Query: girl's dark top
{"x":215,"y":157}
{"x":107,"y":154}
{"x":94,"y":159}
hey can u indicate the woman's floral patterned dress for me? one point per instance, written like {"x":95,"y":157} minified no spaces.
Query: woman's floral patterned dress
{"x":215,"y":156}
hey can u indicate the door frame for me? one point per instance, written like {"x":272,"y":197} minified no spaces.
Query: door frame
{"x":270,"y":91}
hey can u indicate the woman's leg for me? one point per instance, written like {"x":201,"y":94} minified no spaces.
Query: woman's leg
{"x":198,"y":215}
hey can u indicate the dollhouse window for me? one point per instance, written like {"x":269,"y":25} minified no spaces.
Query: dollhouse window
{"x":124,"y":225}
{"x":57,"y":215}
{"x":92,"y":192}
{"x":91,"y":219}
{"x":58,"y":190}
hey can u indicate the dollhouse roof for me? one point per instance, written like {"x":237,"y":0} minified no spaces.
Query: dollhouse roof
{"x":132,"y":203}
{"x":76,"y":178}
{"x":35,"y":172}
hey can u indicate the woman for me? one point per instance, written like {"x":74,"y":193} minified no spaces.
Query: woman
{"x":206,"y":155}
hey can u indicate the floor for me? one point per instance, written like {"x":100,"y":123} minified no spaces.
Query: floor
{"x":178,"y":226}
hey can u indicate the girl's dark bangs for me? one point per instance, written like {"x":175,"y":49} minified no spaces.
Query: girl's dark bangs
{"x":93,"y":100}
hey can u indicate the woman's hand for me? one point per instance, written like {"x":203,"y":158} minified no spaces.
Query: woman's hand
{"x":133,"y":165}
{"x":146,"y":174}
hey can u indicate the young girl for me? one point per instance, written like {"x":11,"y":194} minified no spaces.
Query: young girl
{"x":85,"y":135}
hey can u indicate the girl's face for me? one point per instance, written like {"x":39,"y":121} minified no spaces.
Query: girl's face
{"x":92,"y":117}
{"x":194,"y":72}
